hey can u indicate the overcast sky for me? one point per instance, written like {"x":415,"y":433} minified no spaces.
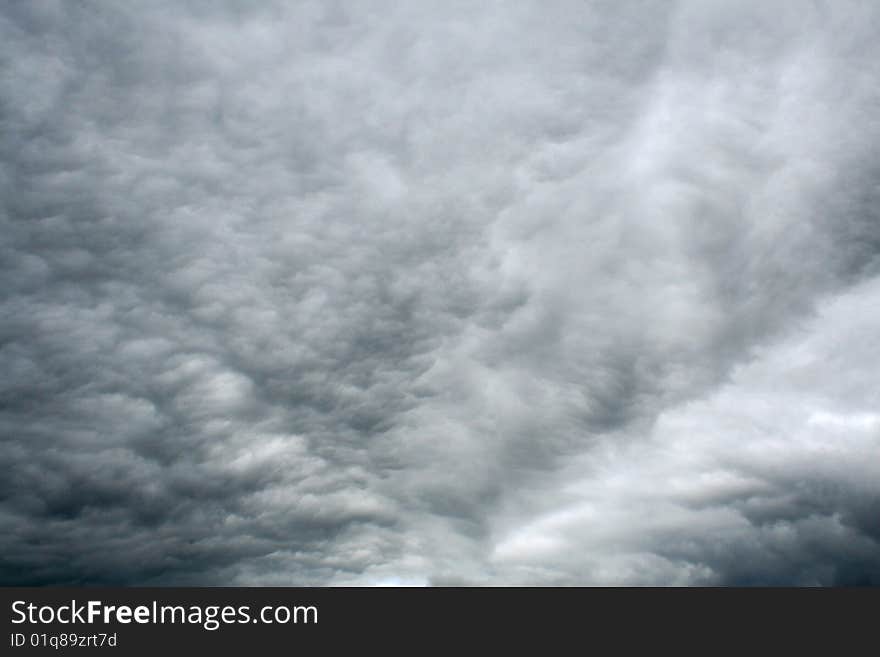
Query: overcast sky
{"x":472,"y":293}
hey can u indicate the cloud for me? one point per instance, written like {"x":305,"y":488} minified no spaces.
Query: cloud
{"x":439,"y":293}
{"x":765,"y":480}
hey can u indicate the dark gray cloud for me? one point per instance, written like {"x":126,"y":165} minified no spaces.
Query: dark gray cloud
{"x":431,"y":292}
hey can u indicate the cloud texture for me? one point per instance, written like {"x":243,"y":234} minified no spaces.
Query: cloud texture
{"x":440,"y":293}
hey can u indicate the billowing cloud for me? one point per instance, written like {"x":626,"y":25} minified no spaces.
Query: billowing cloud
{"x":432,"y":292}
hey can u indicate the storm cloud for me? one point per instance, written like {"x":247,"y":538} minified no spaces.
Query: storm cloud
{"x":320,"y":293}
